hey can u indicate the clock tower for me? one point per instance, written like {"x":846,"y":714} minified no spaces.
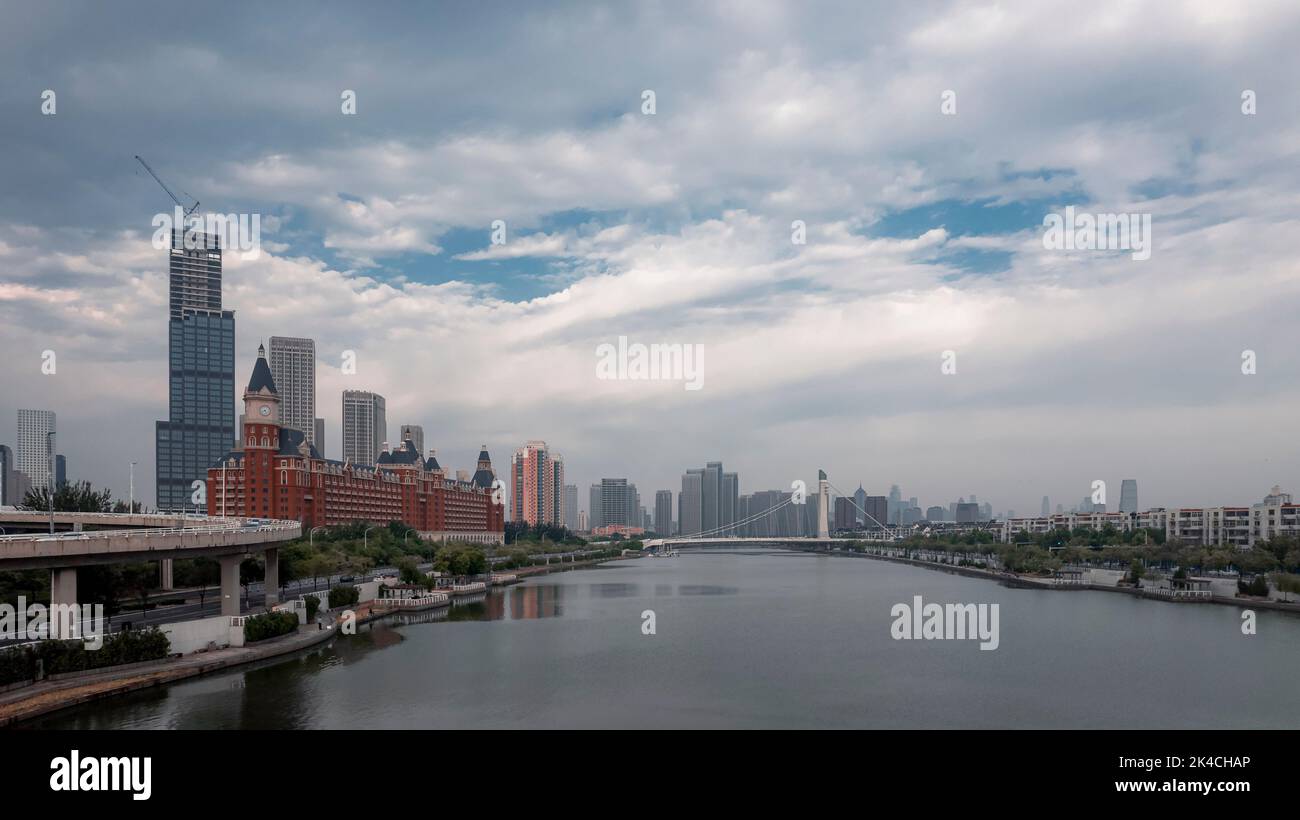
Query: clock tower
{"x":261,"y":406}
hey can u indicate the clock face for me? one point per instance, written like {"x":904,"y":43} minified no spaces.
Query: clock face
{"x":264,"y":410}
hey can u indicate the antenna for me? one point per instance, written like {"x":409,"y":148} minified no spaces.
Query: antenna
{"x":191,"y":209}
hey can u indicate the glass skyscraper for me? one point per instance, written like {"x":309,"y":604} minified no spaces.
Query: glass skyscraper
{"x":200,"y":425}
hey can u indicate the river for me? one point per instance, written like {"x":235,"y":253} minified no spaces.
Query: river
{"x":754,"y":639}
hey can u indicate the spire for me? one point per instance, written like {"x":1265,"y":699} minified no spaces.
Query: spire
{"x":262,"y":379}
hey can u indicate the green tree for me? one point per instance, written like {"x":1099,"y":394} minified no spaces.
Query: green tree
{"x":77,"y":496}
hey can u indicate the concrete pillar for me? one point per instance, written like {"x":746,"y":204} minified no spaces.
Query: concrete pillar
{"x":165,"y":575}
{"x":271,"y":582}
{"x":63,"y":591}
{"x":230,"y":584}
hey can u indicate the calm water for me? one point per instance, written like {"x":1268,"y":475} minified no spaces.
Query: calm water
{"x":755,"y":639}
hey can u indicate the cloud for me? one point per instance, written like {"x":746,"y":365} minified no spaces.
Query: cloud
{"x":676,"y":228}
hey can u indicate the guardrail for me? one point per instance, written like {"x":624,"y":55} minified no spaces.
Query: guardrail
{"x":70,"y":535}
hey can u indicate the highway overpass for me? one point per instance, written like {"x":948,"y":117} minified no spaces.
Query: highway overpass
{"x":127,"y":538}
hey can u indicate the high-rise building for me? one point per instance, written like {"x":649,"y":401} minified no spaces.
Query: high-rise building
{"x":663,"y":523}
{"x":582,"y":521}
{"x":365,"y":426}
{"x":293,"y":365}
{"x":860,"y":500}
{"x":60,"y":471}
{"x":414,"y":433}
{"x":200,"y":425}
{"x":319,"y":436}
{"x":1128,"y":495}
{"x":7,"y":469}
{"x":895,"y":504}
{"x":690,"y":503}
{"x":617,"y":502}
{"x":593,"y":505}
{"x":845,"y":515}
{"x":537,"y":485}
{"x":967,"y":512}
{"x":935,"y":513}
{"x":876,"y":508}
{"x":1047,"y":507}
{"x":571,"y":506}
{"x":35,"y":453}
{"x":633,"y":506}
{"x":729,"y":501}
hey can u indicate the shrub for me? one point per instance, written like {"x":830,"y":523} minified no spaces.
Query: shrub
{"x":344,"y":595}
{"x":270,"y":625}
{"x":131,"y":646}
{"x":313,"y":605}
{"x":1257,"y":586}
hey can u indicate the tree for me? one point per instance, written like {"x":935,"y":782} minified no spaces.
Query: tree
{"x":140,"y":579}
{"x":250,"y":572}
{"x":409,"y":571}
{"x":77,"y":496}
{"x":1136,"y":571}
{"x":1287,"y":584}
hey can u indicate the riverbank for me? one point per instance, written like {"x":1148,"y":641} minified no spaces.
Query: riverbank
{"x":42,"y":698}
{"x":1033,"y":582}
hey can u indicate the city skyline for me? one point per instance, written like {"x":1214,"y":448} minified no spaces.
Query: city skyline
{"x":921,"y":237}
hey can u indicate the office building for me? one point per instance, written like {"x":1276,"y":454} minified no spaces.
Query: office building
{"x":8,"y":481}
{"x":618,"y":503}
{"x":663,"y":521}
{"x":1128,"y":496}
{"x":60,"y":471}
{"x":200,"y":424}
{"x":593,"y":505}
{"x":365,"y":426}
{"x":414,"y":433}
{"x":690,"y":503}
{"x":35,"y":446}
{"x":293,"y":366}
{"x":935,"y":513}
{"x":729,"y":502}
{"x":571,"y":506}
{"x":876,"y":509}
{"x":319,"y":438}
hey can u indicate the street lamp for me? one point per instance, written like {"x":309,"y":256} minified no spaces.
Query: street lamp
{"x":311,"y":534}
{"x":365,"y":538}
{"x":49,"y":447}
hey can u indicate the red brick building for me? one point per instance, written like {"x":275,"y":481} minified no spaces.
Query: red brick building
{"x":276,"y":473}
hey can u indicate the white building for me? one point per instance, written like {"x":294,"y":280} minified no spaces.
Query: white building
{"x":34,"y":453}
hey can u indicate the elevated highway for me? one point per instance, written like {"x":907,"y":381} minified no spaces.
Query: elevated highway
{"x":135,"y":537}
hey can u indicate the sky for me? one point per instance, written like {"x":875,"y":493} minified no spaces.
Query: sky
{"x":923,"y":334}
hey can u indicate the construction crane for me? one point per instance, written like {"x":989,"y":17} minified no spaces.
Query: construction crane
{"x":158,"y":179}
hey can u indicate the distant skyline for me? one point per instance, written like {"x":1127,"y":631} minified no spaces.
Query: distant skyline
{"x":923,"y":235}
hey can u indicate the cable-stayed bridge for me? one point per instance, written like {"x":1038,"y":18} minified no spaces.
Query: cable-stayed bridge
{"x":727,"y":535}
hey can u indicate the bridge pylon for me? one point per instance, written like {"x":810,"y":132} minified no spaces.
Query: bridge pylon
{"x":823,"y":505}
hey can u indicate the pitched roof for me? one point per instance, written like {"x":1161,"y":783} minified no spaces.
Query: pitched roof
{"x":262,"y":379}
